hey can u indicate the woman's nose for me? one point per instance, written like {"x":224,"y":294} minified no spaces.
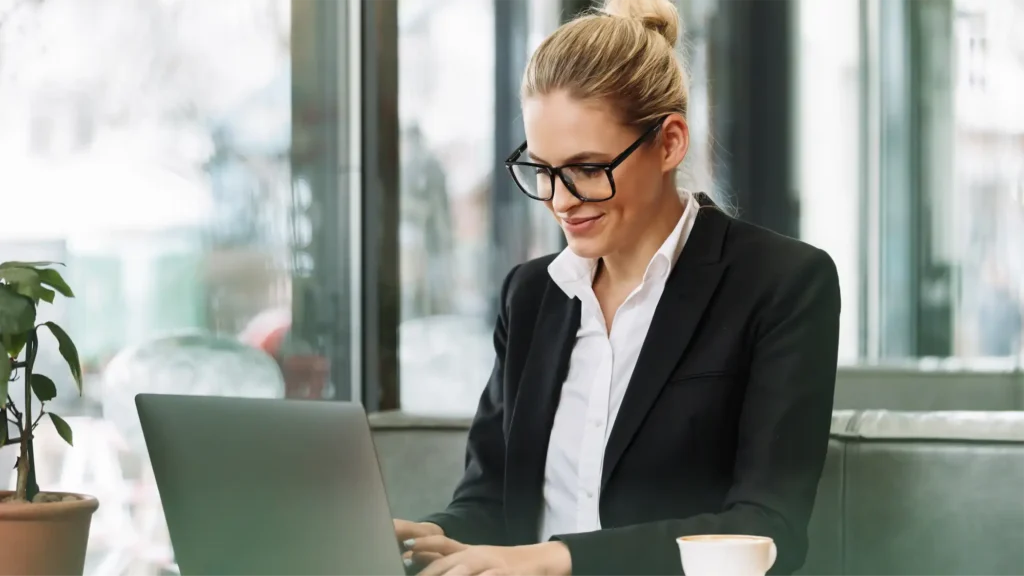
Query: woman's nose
{"x":562,"y":200}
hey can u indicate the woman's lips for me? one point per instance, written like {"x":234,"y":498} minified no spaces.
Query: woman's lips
{"x":580,"y":225}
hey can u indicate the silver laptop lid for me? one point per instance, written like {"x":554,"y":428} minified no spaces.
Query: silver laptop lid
{"x":253,"y":486}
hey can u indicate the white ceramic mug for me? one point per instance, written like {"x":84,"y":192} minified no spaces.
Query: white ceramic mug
{"x":726,"y":555}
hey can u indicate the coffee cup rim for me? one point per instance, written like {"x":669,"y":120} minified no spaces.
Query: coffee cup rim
{"x":722,"y":538}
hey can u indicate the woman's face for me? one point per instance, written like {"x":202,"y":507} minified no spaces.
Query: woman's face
{"x":561,"y":130}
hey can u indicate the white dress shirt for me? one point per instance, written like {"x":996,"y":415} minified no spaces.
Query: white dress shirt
{"x":599,"y":371}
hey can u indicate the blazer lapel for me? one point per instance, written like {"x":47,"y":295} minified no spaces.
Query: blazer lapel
{"x":688,"y":290}
{"x":547,"y":365}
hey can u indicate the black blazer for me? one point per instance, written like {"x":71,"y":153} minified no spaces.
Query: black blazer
{"x":724,"y":424}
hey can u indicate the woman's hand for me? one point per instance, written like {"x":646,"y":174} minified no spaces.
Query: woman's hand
{"x":405,"y":530}
{"x":408,"y":532}
{"x":451,"y":558}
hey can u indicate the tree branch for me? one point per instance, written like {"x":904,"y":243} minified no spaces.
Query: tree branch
{"x":26,"y":488}
{"x":38,"y":418}
{"x":13,"y":409}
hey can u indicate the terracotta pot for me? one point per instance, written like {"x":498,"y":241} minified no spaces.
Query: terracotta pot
{"x":47,"y":538}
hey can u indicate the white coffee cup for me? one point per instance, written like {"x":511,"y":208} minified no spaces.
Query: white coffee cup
{"x":726,"y":555}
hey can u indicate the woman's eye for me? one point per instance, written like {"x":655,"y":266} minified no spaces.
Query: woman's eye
{"x":585,"y":172}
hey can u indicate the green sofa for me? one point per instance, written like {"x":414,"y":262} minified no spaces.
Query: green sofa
{"x":901,"y":493}
{"x":932,"y":384}
{"x":921,"y":493}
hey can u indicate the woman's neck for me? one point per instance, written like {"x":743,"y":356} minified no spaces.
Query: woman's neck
{"x":627,"y":267}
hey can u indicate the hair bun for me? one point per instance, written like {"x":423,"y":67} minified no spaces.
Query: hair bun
{"x":660,"y":16}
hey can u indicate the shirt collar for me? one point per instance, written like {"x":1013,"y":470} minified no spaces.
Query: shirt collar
{"x":572,"y":273}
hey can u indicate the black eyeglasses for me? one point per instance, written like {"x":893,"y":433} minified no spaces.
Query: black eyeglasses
{"x":588,"y":181}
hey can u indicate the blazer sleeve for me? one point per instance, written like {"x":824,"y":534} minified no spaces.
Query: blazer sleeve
{"x":783,"y":437}
{"x":476,"y":514}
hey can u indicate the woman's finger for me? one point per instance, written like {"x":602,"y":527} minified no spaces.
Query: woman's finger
{"x":405,"y":530}
{"x":442,"y":565}
{"x":494,"y":572}
{"x":459,"y":570}
{"x":424,"y":558}
{"x":437,"y":544}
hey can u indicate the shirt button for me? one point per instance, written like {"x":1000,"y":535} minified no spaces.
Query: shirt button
{"x":596,"y":423}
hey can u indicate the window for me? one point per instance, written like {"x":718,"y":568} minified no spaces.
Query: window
{"x":453,"y":212}
{"x":697,"y":172}
{"x":910,"y":172}
{"x":829,"y":166}
{"x":946,"y":261}
{"x":985,"y":222}
{"x":460,"y":230}
{"x":149,"y":146}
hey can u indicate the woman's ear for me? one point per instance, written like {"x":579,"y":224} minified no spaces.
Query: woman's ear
{"x":675,"y":141}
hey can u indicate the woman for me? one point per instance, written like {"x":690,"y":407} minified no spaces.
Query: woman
{"x":670,"y":373}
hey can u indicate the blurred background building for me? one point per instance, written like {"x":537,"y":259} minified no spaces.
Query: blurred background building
{"x":323,"y":181}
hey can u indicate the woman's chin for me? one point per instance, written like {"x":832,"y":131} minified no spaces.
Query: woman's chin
{"x":589,"y":248}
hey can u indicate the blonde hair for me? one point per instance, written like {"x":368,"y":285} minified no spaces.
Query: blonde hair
{"x":623,"y":54}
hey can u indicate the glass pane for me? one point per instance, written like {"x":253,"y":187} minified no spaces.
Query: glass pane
{"x":148,"y":146}
{"x":447,"y":115}
{"x":988,"y":175}
{"x":829,"y":166}
{"x":698,"y":167}
{"x":950,"y":159}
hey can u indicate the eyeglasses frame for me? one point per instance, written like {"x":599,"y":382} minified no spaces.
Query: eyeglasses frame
{"x":554,"y":171}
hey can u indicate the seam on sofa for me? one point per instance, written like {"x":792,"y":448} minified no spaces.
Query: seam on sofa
{"x":927,"y":440}
{"x":853,"y":423}
{"x":1018,"y":386}
{"x":842,"y":508}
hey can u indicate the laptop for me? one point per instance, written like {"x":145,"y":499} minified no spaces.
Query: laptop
{"x":253,"y":486}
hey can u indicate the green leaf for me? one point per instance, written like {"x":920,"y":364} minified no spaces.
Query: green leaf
{"x":53,"y":279}
{"x":15,"y":274}
{"x":45,"y":294}
{"x":62,"y":428}
{"x":5,"y":377}
{"x":17,"y":313}
{"x":24,"y":281}
{"x":14,"y":343}
{"x":16,"y":264}
{"x":68,"y":351}
{"x":44,"y":388}
{"x":30,"y":282}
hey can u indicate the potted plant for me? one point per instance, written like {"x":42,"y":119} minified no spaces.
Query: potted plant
{"x":41,"y":532}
